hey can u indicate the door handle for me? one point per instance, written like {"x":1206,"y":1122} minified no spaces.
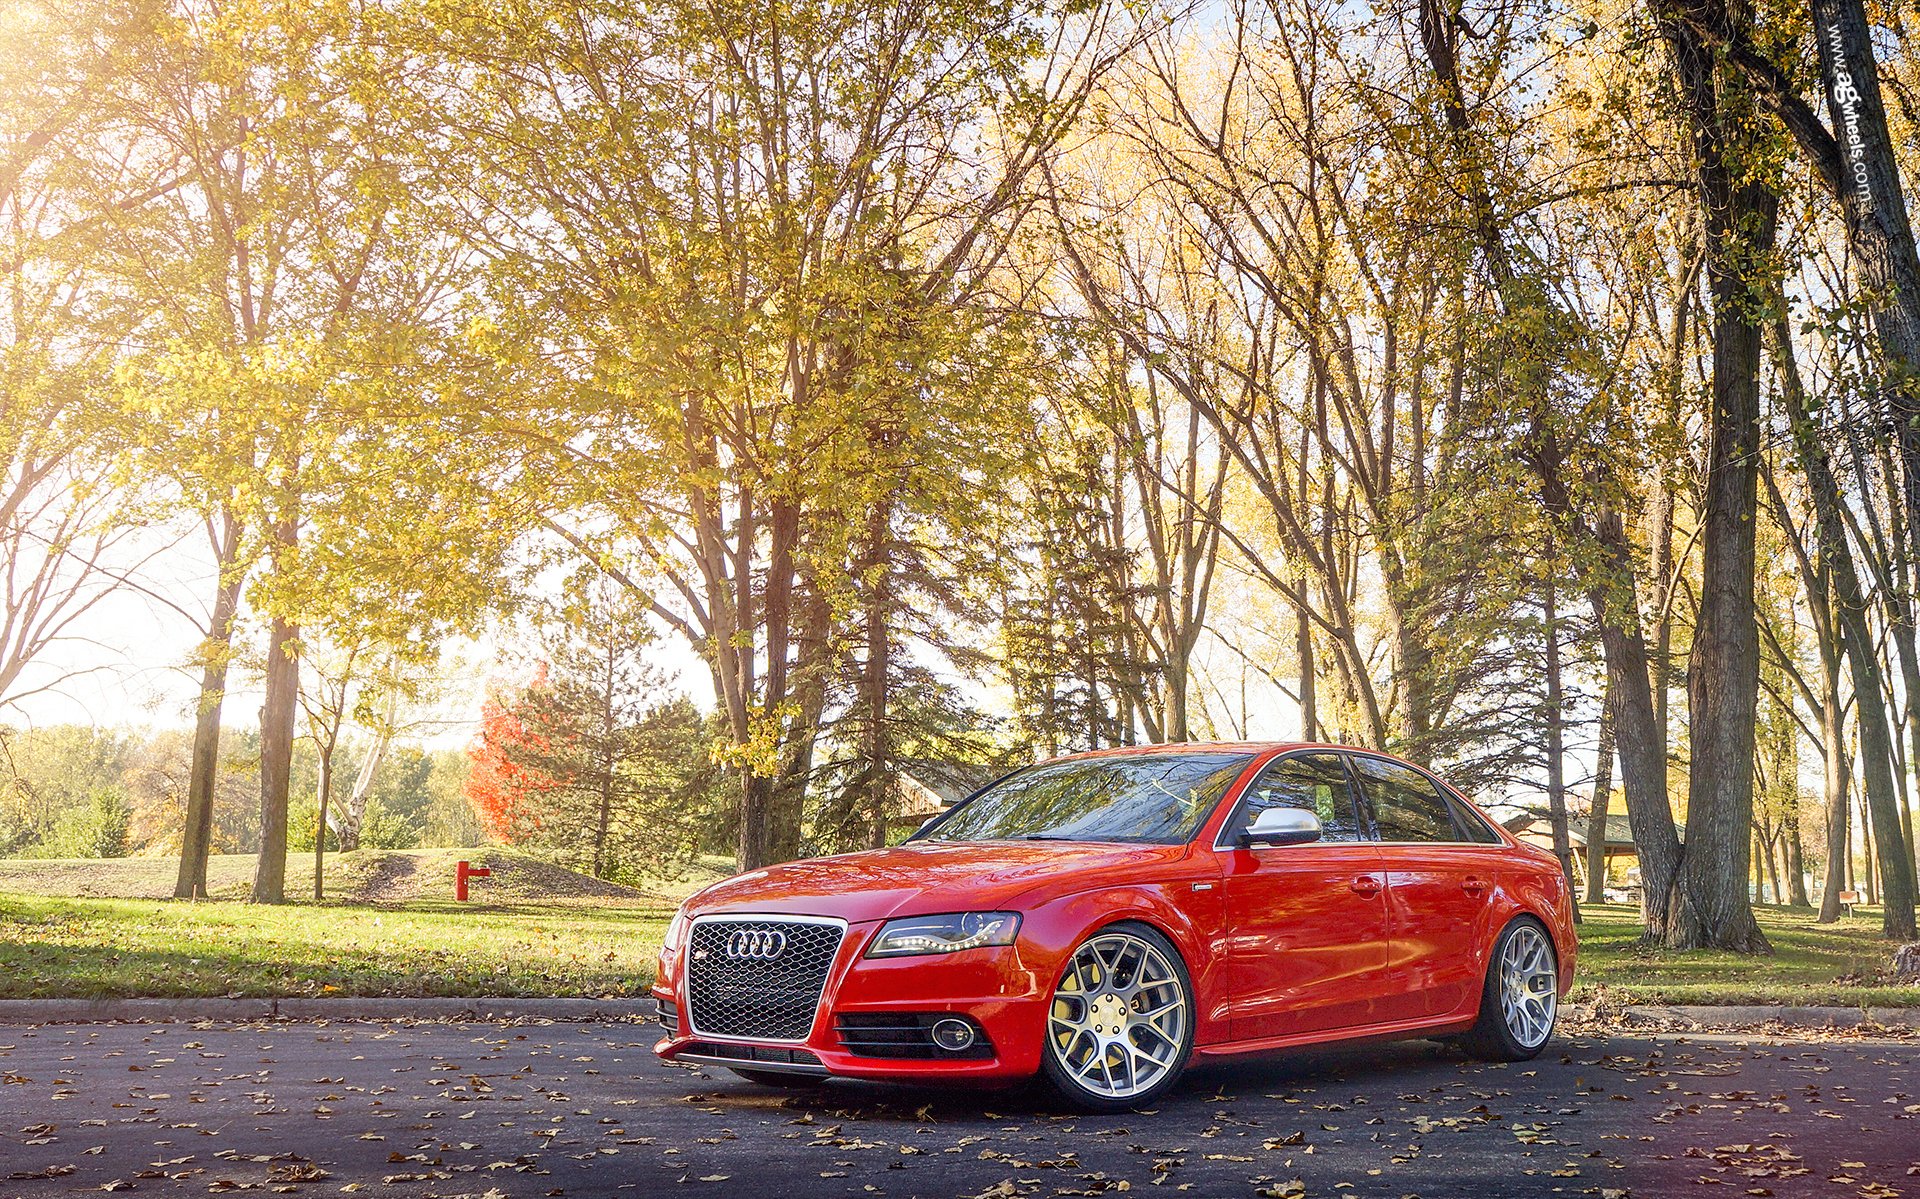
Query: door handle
{"x":1473,"y":884}
{"x":1366,"y":885}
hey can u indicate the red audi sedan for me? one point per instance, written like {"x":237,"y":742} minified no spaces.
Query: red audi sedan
{"x":1100,"y":919}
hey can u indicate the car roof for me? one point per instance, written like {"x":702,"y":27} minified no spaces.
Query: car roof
{"x":1205,"y":747}
{"x":1273,"y":748}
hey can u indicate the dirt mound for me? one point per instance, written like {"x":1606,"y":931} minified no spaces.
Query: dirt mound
{"x":375,"y":876}
{"x":393,"y":879}
{"x":402,"y":876}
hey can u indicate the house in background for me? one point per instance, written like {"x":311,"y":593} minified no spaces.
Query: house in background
{"x":924,"y":789}
{"x":1535,"y":828}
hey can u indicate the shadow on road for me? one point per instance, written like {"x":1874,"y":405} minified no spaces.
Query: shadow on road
{"x":1375,"y":1064}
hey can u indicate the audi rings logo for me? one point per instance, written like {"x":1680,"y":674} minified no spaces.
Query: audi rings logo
{"x":762,"y":943}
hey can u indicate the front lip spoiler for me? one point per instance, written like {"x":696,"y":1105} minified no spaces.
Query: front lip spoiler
{"x":804,"y":1069}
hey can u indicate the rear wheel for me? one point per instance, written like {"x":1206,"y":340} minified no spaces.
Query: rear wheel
{"x":1521,"y":997}
{"x":1120,"y":1025}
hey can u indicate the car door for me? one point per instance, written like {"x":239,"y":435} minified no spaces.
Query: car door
{"x":1306,"y":924}
{"x":1439,"y":890}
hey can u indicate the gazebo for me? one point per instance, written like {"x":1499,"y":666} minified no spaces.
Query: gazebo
{"x":1535,"y":828}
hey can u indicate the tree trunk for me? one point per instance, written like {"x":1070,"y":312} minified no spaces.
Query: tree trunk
{"x":769,"y":831}
{"x":1661,"y":570}
{"x":812,"y":647}
{"x":279,"y":719}
{"x":1856,"y":642}
{"x":1640,"y":744}
{"x":1833,"y":740}
{"x":1865,"y":176}
{"x":608,"y":763}
{"x":276,"y":761}
{"x":196,"y":842}
{"x":1903,"y":808}
{"x":1176,"y":722}
{"x":347,"y":835}
{"x":1857,"y":164}
{"x":1796,"y":864}
{"x":1303,"y":649}
{"x":756,"y":806}
{"x":876,"y":748}
{"x":1601,"y":805}
{"x":1723,"y":681}
{"x":1867,"y":873}
{"x":603,"y":821}
{"x":1556,"y":736}
{"x":1611,"y":585}
{"x":1898,"y":605}
{"x":324,"y":792}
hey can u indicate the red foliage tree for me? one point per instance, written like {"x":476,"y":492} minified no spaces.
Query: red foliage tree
{"x":503,"y":789}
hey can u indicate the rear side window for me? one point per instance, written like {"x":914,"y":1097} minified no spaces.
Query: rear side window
{"x":1406,"y":804}
{"x":1314,"y":783}
{"x":1472,"y":824}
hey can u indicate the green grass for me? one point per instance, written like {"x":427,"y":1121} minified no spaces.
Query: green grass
{"x":1844,"y":963}
{"x":539,"y":931}
{"x":68,"y":930}
{"x":121,"y":948}
{"x":228,"y":875}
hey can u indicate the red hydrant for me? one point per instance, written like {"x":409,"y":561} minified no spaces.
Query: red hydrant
{"x":463,"y":872}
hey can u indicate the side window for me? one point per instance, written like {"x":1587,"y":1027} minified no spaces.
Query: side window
{"x":1472,"y":823}
{"x":1406,"y":804}
{"x":1314,"y":783}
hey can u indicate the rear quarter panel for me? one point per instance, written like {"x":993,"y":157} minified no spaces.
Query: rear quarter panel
{"x":1533,"y":885}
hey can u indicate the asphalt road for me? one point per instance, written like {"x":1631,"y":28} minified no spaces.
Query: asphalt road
{"x":585,"y":1110}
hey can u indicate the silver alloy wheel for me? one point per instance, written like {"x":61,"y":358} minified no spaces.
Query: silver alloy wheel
{"x":1529,"y":985}
{"x":1118,"y":1022}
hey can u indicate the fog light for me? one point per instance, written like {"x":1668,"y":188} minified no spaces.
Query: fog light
{"x":953,"y":1035}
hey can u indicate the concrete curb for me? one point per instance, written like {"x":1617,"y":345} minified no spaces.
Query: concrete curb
{"x":1749,"y":1015}
{"x":247,"y":1011}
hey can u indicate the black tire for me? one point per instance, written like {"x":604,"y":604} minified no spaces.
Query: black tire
{"x":780,"y":1078}
{"x":1493,"y":1036}
{"x":1167,"y":975}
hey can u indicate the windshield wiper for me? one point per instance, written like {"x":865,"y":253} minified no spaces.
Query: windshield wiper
{"x":1046,"y":837}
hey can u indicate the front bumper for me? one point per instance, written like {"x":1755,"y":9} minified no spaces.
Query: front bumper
{"x":993,"y":986}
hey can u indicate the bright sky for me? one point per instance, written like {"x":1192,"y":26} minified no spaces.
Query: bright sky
{"x":123,"y":662}
{"x":127,"y":661}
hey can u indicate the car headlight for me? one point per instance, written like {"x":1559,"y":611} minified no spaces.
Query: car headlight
{"x":676,"y":931}
{"x":944,"y":934}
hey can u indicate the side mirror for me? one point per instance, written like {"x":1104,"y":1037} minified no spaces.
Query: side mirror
{"x":1281,"y":826}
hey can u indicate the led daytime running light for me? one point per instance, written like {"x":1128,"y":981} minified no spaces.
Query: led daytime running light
{"x":944,"y":934}
{"x":921,"y":943}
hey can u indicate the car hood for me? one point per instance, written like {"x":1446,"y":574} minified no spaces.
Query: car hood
{"x":924,"y":877}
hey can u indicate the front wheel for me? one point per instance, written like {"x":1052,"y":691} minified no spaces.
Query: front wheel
{"x":1120,"y":1025}
{"x":1521,"y":997}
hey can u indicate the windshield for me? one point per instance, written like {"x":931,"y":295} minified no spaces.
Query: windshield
{"x":1157,"y":798}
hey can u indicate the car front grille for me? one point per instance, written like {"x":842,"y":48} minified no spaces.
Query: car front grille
{"x":758,"y":978}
